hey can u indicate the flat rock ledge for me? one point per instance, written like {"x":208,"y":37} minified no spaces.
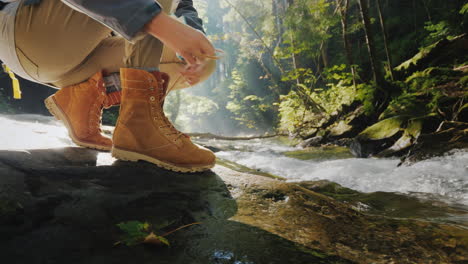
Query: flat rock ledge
{"x":58,"y":206}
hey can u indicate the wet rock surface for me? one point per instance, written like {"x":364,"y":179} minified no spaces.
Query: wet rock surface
{"x":63,"y":205}
{"x":451,"y":136}
{"x":58,"y":207}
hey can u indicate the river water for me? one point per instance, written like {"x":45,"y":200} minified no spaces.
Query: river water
{"x":440,"y":180}
{"x":440,"y":183}
{"x":446,"y":177}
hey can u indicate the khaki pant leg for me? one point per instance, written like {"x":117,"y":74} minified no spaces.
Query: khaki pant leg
{"x":146,"y":52}
{"x":52,"y":39}
{"x":107,"y":56}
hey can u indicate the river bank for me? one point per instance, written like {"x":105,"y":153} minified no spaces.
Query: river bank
{"x":424,"y":113}
{"x":61,"y":203}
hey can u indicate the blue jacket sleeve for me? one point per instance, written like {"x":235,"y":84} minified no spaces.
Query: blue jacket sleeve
{"x":186,"y":10}
{"x":125,"y":17}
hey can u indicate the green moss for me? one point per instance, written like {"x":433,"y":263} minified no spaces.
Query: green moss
{"x":416,"y":58}
{"x":407,"y":104}
{"x":414,"y":127}
{"x":383,"y":129}
{"x":427,"y":91}
{"x":317,"y":254}
{"x":431,"y":77}
{"x":320,"y":153}
{"x":338,"y":192}
{"x":340,"y":128}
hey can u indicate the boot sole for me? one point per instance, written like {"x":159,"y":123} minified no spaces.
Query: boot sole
{"x":57,"y":112}
{"x":134,"y":157}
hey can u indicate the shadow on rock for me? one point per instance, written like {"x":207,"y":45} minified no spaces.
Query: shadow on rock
{"x":57,"y":206}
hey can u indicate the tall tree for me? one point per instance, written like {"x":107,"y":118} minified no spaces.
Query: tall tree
{"x":385,"y":39}
{"x":376,"y":71}
{"x":343,"y":9}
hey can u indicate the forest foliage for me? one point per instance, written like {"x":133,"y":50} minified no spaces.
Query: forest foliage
{"x":294,"y":66}
{"x":291,"y":64}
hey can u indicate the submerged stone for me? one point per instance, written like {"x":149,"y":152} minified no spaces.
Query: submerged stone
{"x":320,"y":153}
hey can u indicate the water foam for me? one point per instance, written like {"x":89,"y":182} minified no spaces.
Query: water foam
{"x":446,"y":176}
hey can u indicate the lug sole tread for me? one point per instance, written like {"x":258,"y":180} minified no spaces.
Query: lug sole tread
{"x":134,"y":157}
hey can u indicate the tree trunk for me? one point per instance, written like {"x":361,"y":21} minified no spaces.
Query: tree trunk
{"x":279,"y":10}
{"x":344,"y":24}
{"x":378,"y":77}
{"x":385,"y":38}
{"x":324,"y":54}
{"x":259,"y":37}
{"x":294,"y":61}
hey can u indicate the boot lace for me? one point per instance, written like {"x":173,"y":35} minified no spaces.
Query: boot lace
{"x":167,"y":123}
{"x":95,"y":111}
{"x":96,"y":118}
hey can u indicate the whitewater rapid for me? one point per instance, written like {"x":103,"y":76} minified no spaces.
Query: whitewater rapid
{"x":445,"y":177}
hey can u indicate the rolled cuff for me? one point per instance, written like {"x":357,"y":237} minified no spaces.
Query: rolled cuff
{"x":126,"y":18}
{"x":136,"y":23}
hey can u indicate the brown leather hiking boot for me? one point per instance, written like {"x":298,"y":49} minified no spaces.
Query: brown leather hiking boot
{"x":80,"y":107}
{"x":143,"y":132}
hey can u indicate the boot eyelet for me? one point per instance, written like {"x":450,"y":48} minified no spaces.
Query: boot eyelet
{"x":152,"y":98}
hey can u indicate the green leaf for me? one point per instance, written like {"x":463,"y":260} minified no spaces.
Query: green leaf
{"x":135,"y":232}
{"x":464,"y":9}
{"x":465,"y":106}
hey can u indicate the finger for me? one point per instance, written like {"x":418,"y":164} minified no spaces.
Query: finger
{"x":192,"y":80}
{"x":189,"y":58}
{"x":192,"y":69}
{"x":207,"y":48}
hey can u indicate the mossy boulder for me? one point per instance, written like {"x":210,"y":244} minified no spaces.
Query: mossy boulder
{"x":383,"y":129}
{"x":387,"y":137}
{"x":409,"y":137}
{"x":378,"y":137}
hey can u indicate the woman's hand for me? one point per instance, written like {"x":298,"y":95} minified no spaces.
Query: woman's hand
{"x":190,"y":43}
{"x":193,"y":73}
